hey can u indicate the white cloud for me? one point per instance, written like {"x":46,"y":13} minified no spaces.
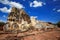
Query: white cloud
{"x":12,"y":4}
{"x":5,"y":9}
{"x":1,"y":20}
{"x":36,"y":4}
{"x":58,"y":10}
{"x":4,"y":1}
{"x":33,"y":17}
{"x":17,"y":5}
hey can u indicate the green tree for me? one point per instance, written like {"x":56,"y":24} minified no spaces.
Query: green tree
{"x":58,"y":24}
{"x":2,"y":23}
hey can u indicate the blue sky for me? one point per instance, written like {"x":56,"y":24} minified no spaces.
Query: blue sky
{"x":45,"y":10}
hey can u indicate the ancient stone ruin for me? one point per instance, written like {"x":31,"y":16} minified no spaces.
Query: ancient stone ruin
{"x":19,"y":21}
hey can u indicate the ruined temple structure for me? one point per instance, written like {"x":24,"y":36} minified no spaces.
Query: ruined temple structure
{"x":18,"y":20}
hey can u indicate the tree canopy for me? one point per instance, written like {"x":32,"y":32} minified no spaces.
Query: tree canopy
{"x":2,"y":23}
{"x":58,"y":24}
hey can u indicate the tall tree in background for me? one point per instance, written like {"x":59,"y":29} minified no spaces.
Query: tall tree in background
{"x":1,"y":26}
{"x":2,"y":23}
{"x":58,"y":24}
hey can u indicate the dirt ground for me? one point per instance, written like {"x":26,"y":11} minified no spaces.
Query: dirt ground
{"x":32,"y":35}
